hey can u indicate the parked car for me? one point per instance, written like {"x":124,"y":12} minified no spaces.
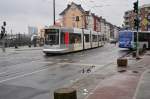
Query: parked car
{"x":112,"y":41}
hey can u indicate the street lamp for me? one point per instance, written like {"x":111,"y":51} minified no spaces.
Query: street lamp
{"x":54,"y":12}
{"x":136,"y":25}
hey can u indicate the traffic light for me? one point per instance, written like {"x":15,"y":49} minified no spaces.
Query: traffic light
{"x":135,"y":7}
{"x":136,"y":23}
{"x":4,"y":23}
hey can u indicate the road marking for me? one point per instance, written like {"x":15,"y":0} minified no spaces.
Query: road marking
{"x":47,"y":68}
{"x":46,"y":62}
{"x":3,"y":73}
{"x":23,"y":75}
{"x":79,"y":64}
{"x":25,"y":63}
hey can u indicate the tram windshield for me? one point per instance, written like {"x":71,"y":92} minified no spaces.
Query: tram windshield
{"x":52,"y":36}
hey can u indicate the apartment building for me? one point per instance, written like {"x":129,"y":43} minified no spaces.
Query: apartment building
{"x":73,"y":16}
{"x":144,"y":17}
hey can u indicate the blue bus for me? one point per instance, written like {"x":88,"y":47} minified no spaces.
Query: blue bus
{"x":128,"y":39}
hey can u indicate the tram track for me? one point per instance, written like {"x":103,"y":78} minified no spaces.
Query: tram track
{"x":10,"y":75}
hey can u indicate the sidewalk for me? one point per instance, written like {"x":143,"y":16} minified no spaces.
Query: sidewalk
{"x":132,"y":84}
{"x":143,"y":88}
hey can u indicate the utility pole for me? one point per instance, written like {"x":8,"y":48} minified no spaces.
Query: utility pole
{"x":54,"y":11}
{"x":136,"y":25}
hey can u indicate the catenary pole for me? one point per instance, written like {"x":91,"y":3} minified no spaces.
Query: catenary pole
{"x":137,"y":16}
{"x":54,"y":11}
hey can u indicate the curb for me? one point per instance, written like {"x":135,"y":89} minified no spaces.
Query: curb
{"x":143,"y":87}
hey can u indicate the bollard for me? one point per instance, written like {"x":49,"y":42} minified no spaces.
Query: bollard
{"x":65,"y":93}
{"x":122,"y":62}
{"x":141,"y":52}
{"x":16,"y":46}
{"x":29,"y":45}
{"x":134,"y":54}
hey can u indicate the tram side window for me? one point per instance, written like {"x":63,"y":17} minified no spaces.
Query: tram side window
{"x":87,"y":37}
{"x":94,"y":38}
{"x":75,"y":38}
{"x":99,"y":38}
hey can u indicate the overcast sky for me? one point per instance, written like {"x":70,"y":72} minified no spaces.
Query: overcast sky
{"x":19,"y":14}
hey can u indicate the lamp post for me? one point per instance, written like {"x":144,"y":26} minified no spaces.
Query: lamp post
{"x":136,"y":24}
{"x":137,"y":53}
{"x":54,"y":12}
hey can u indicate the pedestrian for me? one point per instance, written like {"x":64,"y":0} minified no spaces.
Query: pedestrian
{"x":83,"y":70}
{"x":115,"y":42}
{"x":88,"y":70}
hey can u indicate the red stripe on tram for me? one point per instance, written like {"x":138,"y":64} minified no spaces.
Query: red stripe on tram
{"x":67,"y":38}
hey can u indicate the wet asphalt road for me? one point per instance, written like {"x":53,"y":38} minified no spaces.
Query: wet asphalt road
{"x":29,"y":74}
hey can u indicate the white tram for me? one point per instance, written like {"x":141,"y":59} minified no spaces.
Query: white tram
{"x":63,"y":40}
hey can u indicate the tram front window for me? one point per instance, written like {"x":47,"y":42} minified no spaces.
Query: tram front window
{"x":52,"y":37}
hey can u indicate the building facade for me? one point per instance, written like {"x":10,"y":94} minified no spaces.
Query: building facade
{"x":32,"y":30}
{"x":144,"y":17}
{"x":74,"y":16}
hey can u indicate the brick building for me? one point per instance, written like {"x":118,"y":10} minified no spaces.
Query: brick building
{"x":74,"y":16}
{"x":144,"y":16}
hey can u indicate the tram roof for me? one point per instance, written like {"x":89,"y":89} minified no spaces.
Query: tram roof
{"x":72,"y":30}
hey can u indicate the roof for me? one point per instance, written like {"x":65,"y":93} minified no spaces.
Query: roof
{"x":68,"y":7}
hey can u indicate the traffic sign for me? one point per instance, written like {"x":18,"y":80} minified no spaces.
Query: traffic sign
{"x":145,"y":22}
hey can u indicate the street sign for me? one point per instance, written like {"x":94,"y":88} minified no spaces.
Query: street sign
{"x":145,"y":22}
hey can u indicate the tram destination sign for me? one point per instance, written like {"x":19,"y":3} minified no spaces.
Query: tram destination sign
{"x":52,"y":30}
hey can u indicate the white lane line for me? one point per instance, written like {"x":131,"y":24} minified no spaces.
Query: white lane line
{"x":44,"y":70}
{"x":3,"y":73}
{"x":25,"y":63}
{"x":26,"y":74}
{"x":79,"y":64}
{"x":23,"y":75}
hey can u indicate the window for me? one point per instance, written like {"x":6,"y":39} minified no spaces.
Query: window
{"x":52,"y":39}
{"x":141,"y":36}
{"x":87,"y":37}
{"x":100,"y":38}
{"x":75,"y":38}
{"x":94,"y":38}
{"x":52,"y":36}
